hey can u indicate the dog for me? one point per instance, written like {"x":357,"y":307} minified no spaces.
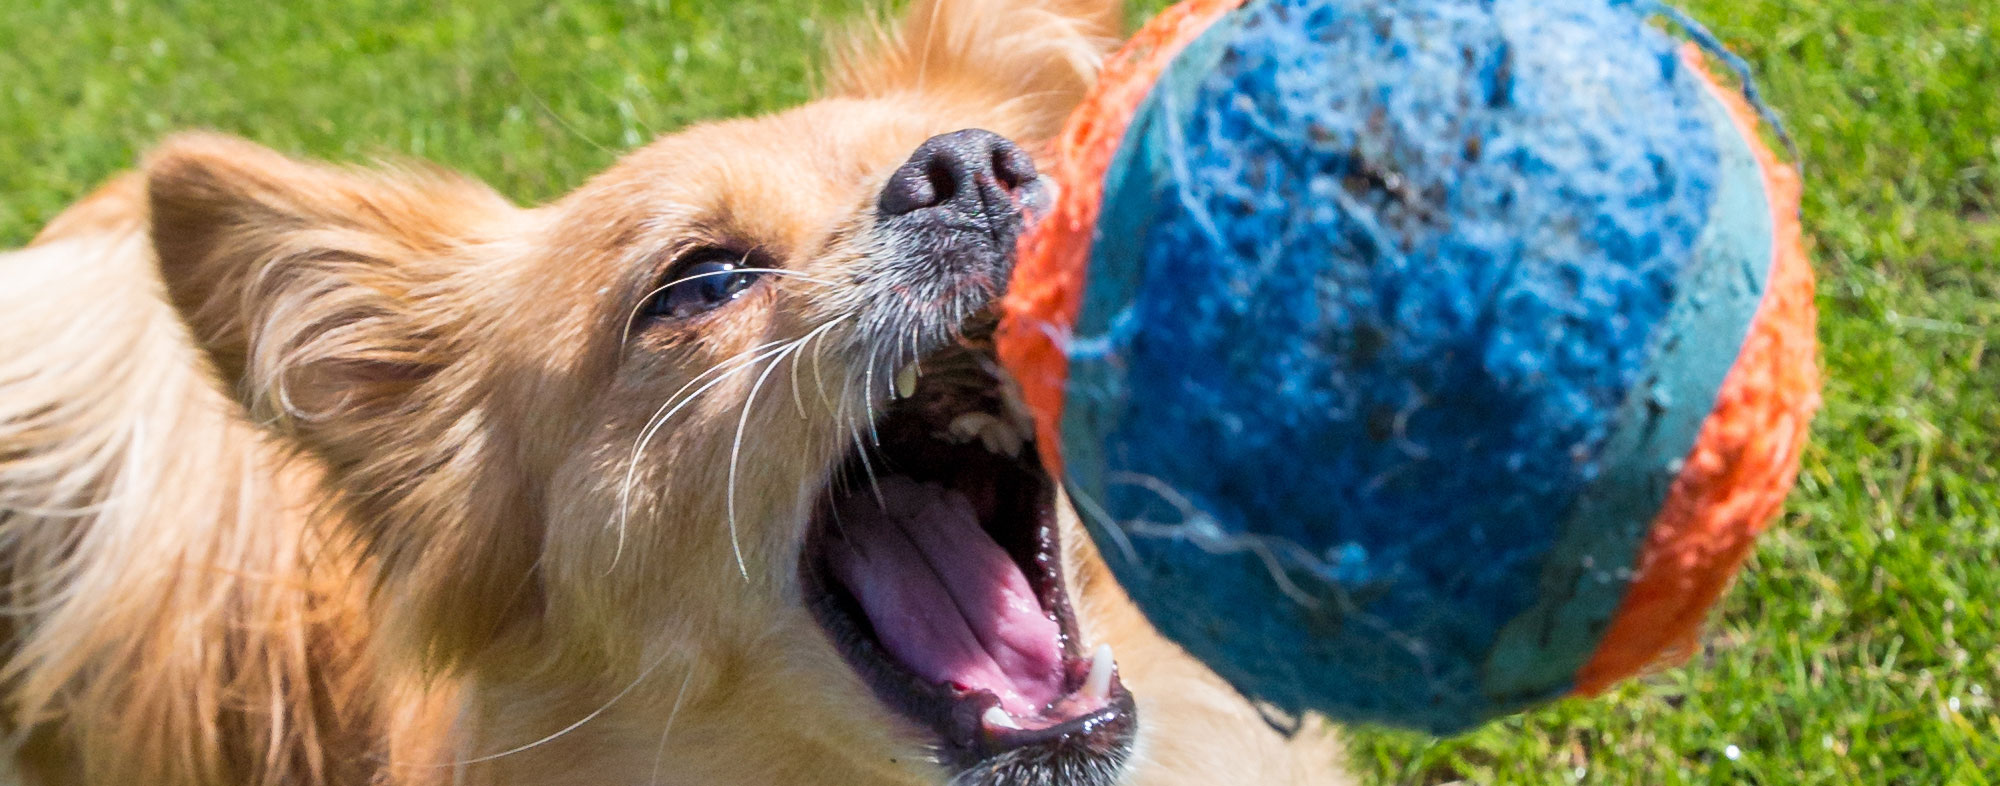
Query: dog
{"x":702,"y":474}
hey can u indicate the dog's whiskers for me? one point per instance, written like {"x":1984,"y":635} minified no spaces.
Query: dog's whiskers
{"x":818,"y":334}
{"x":776,"y":351}
{"x":634,"y":315}
{"x":854,"y":433}
{"x":868,"y":400}
{"x":742,"y":361}
{"x":660,"y":753}
{"x":819,"y":382}
{"x":601,"y":709}
{"x":743,"y":421}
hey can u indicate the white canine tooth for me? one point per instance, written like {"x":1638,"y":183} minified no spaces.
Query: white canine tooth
{"x":906,"y":381}
{"x":1098,"y":684}
{"x":995,"y":434}
{"x":998,"y":717}
{"x":1001,"y":438}
{"x":969,"y":426}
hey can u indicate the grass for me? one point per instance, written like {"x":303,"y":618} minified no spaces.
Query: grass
{"x":1859,"y":646}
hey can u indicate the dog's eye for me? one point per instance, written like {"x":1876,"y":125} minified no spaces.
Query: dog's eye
{"x":707,"y":279}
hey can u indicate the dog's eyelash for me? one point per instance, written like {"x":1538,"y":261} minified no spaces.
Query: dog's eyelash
{"x":698,"y":281}
{"x":703,"y":281}
{"x":709,"y":277}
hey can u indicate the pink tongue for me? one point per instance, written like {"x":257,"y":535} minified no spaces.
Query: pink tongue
{"x":944,"y":598}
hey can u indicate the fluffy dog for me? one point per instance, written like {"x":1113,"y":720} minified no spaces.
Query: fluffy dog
{"x":699,"y":475}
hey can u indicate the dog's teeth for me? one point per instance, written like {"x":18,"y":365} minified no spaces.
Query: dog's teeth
{"x":906,"y":381}
{"x":999,"y":718}
{"x":969,"y":426}
{"x":995,"y":437}
{"x":995,"y":434}
{"x":1001,"y":438}
{"x":1098,"y":684}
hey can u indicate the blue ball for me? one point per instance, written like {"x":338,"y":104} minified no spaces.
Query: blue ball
{"x":1334,"y":467}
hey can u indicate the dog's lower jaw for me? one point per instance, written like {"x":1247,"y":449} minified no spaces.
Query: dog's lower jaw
{"x":783,"y":709}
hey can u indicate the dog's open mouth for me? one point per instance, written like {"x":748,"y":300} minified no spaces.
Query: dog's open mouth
{"x":934,"y":564}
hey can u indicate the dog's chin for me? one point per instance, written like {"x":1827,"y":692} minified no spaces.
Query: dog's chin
{"x":933,"y":565}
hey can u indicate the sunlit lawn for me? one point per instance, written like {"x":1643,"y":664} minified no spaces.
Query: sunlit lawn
{"x":1859,"y":647}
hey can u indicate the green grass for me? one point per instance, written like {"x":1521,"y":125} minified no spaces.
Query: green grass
{"x":1859,"y":646}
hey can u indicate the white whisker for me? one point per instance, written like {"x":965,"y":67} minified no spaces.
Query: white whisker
{"x":636,"y":682}
{"x":860,"y":448}
{"x":661,"y":752}
{"x":798,"y":400}
{"x":634,"y":315}
{"x":744,"y":360}
{"x":736,"y":448}
{"x":868,"y":398}
{"x":819,"y":383}
{"x":868,"y":469}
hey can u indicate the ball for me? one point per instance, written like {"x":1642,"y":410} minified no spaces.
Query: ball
{"x":1417,"y":362}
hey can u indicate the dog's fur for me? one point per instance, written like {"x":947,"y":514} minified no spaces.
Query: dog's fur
{"x":313,"y":475}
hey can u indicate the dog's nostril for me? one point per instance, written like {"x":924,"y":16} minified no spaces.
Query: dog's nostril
{"x":1012,"y":166}
{"x":924,"y":181}
{"x":943,"y":181}
{"x":947,"y":166}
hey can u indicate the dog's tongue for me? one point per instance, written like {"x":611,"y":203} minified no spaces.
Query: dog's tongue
{"x":944,"y":598}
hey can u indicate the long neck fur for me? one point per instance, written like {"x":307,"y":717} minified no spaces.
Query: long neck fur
{"x":176,"y":611}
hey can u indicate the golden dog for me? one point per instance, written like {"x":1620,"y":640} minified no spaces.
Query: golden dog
{"x":699,"y":475}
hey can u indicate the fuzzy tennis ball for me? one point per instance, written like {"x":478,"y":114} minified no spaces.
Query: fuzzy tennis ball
{"x":1418,"y":362}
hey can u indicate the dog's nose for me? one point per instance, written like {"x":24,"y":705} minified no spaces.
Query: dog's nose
{"x":959,"y":172}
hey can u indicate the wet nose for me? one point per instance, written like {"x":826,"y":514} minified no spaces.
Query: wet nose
{"x":964,"y":172}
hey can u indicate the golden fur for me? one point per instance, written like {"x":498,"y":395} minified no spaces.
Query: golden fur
{"x":312,"y":475}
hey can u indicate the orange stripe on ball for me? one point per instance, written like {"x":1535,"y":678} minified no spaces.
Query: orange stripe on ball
{"x":1047,"y":286}
{"x":1745,"y":459}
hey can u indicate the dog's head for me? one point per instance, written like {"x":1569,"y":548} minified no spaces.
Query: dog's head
{"x":717,"y":438}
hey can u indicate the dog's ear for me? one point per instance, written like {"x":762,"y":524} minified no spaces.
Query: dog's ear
{"x":1025,"y":63}
{"x":332,"y":302}
{"x":307,"y":284}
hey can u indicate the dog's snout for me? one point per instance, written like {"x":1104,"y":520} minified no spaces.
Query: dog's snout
{"x":950,"y":218}
{"x":958,"y":172}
